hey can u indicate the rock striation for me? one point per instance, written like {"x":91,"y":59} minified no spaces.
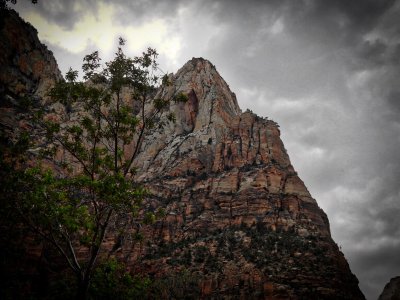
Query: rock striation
{"x":239,"y":221}
{"x":228,"y":167}
{"x":238,"y":215}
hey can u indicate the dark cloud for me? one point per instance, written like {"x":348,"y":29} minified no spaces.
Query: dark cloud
{"x":359,"y":14}
{"x":372,"y":54}
{"x":377,"y":267}
{"x":65,"y":13}
{"x":393,"y":99}
{"x":328,"y":72}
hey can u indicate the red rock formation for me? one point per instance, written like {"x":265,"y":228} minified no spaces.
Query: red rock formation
{"x":238,"y":219}
{"x":27,"y":66}
{"x":237,"y":213}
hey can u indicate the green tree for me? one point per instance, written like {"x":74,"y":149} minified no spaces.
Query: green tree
{"x":84,"y":185}
{"x":111,"y":281}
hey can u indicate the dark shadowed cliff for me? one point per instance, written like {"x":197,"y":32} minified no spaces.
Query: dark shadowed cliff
{"x":391,"y":290}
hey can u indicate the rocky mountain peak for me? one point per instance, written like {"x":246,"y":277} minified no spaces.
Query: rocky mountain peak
{"x":229,"y":189}
{"x":199,"y":63}
{"x":238,"y":219}
{"x":215,"y":101}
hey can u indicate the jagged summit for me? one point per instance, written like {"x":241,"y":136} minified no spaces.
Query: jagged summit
{"x":200,"y":76}
{"x":199,"y":62}
{"x":195,"y":60}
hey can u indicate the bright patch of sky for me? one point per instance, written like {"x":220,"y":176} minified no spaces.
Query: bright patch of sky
{"x":101,"y":32}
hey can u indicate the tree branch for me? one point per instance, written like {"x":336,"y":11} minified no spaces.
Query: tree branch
{"x":52,"y":240}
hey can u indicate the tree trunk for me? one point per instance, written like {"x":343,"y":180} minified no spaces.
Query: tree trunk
{"x":83,"y":287}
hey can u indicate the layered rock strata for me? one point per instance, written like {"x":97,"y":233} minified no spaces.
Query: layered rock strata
{"x":238,"y":215}
{"x":239,"y":221}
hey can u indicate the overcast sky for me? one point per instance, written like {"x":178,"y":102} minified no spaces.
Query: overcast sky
{"x":327,"y":71}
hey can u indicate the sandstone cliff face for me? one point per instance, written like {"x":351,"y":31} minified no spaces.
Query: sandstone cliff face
{"x":238,"y":218}
{"x":27,"y":69}
{"x":238,"y":215}
{"x":228,"y":167}
{"x":27,"y":66}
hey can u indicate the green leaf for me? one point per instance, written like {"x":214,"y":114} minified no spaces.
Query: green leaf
{"x":71,"y":75}
{"x":181,"y":97}
{"x":149,"y":218}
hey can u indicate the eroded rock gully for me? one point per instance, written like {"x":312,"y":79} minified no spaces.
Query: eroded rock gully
{"x":238,"y":218}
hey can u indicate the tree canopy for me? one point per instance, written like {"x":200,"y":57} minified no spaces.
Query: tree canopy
{"x":78,"y":185}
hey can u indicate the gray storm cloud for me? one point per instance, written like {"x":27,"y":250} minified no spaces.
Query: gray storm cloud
{"x":328,"y":72}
